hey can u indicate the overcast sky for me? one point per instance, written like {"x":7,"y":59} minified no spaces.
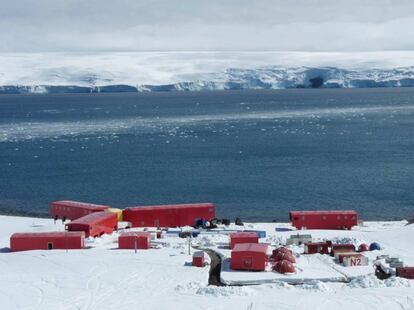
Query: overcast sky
{"x":253,"y":25}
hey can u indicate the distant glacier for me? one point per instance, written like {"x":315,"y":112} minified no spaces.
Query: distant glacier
{"x":197,"y":71}
{"x":260,"y":78}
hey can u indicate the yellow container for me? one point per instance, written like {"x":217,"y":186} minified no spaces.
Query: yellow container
{"x":118,"y":213}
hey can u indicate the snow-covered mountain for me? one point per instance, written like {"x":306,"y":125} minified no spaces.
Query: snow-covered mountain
{"x":195,"y":71}
{"x":302,"y":77}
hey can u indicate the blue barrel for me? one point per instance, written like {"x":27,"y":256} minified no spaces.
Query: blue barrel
{"x":374,"y":246}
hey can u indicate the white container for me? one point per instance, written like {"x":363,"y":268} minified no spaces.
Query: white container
{"x":298,"y":239}
{"x":355,"y":261}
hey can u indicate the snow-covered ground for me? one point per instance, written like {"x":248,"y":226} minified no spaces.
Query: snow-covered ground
{"x":190,"y":71}
{"x":103,"y":277}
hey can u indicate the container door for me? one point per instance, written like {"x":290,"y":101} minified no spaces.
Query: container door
{"x":248,"y":261}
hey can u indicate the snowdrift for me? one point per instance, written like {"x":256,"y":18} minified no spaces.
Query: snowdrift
{"x":103,"y":276}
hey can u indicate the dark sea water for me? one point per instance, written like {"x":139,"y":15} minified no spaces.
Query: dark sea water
{"x":256,"y":154}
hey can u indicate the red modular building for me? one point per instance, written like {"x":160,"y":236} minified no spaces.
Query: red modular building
{"x":95,"y":224}
{"x":169,"y":215}
{"x":134,"y":240}
{"x":243,"y":237}
{"x":47,"y":241}
{"x":317,"y":247}
{"x":344,"y":219}
{"x":249,"y":256}
{"x":72,"y":210}
{"x":405,"y":272}
{"x":198,"y":259}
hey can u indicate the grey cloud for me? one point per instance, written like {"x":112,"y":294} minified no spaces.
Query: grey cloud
{"x":128,"y":25}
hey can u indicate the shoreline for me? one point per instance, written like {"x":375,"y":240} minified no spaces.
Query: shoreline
{"x":395,"y":220}
{"x":166,"y":90}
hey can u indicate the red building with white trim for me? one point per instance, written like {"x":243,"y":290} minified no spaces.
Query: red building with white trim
{"x":249,"y":256}
{"x":95,"y":224}
{"x":72,"y":210}
{"x":243,"y":237}
{"x":169,"y":215}
{"x":134,"y":240}
{"x":340,"y":219}
{"x":47,"y":241}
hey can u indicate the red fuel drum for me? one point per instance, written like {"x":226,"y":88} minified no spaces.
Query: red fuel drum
{"x":72,"y":210}
{"x":132,"y":240}
{"x":249,"y":256}
{"x":169,"y":215}
{"x":345,"y":219}
{"x":95,"y":224}
{"x":47,"y":241}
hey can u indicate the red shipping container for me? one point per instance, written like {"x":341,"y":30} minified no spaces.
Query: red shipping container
{"x":405,"y":272}
{"x":317,"y":247}
{"x":95,"y":224}
{"x":198,"y":259}
{"x":344,"y":219}
{"x":243,"y":237}
{"x":249,"y":256}
{"x":47,"y":241}
{"x":134,"y":240}
{"x":169,"y":215}
{"x":72,"y":210}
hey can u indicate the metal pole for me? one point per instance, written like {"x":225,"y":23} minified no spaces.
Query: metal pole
{"x":189,"y":244}
{"x":135,"y":243}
